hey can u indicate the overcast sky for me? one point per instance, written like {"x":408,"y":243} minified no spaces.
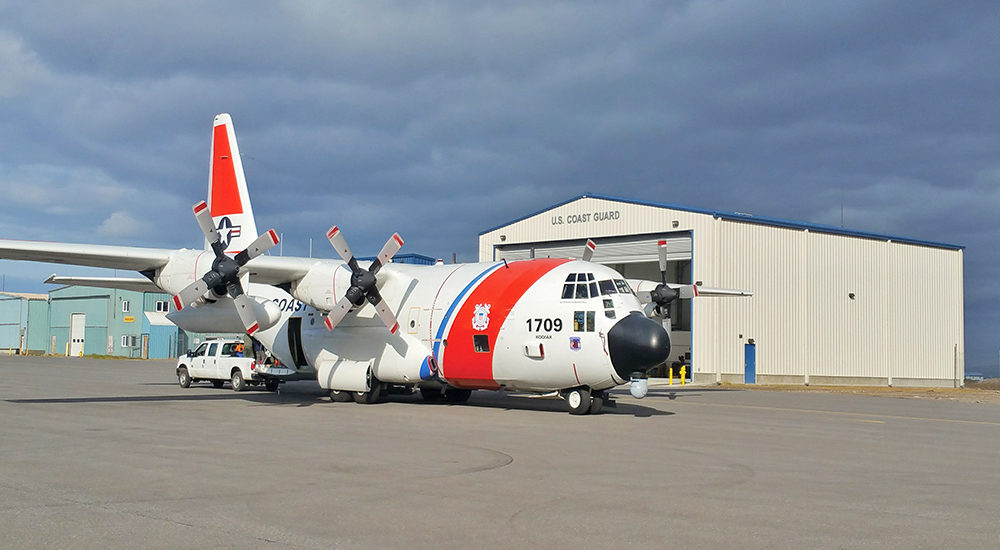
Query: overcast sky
{"x":443,"y":119}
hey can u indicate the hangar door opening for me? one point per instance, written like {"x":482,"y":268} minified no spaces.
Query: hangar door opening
{"x":635,"y":257}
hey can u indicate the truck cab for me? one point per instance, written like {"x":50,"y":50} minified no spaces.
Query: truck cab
{"x":219,"y":360}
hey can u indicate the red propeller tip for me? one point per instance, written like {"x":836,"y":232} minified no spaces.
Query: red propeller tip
{"x":177,"y":303}
{"x":398,"y":238}
{"x":329,"y":325}
{"x":273,"y":235}
{"x":333,"y":231}
{"x":661,"y":243}
{"x":394,"y":328}
{"x":200,"y":206}
{"x":253,"y":329}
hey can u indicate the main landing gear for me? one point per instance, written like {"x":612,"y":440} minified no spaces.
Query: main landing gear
{"x":584,"y":401}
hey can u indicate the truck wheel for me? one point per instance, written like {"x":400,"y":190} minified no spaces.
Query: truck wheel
{"x":578,"y":400}
{"x":218,"y":383}
{"x":239,"y":384}
{"x":271,"y":384}
{"x":183,"y":378}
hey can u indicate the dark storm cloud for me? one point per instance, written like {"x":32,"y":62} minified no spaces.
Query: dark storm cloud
{"x":443,"y":119}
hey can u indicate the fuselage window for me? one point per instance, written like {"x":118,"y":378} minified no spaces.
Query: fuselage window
{"x":481,"y":342}
{"x":578,"y":321}
{"x":584,"y":321}
{"x":568,"y":291}
{"x":581,"y":291}
{"x":607,"y":287}
{"x":590,"y":321}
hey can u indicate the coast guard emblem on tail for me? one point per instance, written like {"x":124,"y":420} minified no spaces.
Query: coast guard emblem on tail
{"x":481,"y":317}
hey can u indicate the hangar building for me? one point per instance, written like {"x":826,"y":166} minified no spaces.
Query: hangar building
{"x":829,"y":305}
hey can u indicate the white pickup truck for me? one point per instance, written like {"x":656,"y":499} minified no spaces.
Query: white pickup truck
{"x":221,"y":360}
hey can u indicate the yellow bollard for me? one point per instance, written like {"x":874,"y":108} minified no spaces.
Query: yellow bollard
{"x":671,"y":375}
{"x":683,"y":373}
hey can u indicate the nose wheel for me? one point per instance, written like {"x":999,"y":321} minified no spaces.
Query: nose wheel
{"x":583,"y":401}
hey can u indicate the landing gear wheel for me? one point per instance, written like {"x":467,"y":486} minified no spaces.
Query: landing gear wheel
{"x":217,"y":383}
{"x":341,"y":396}
{"x":183,"y":378}
{"x":431,"y":395}
{"x":370,"y":396}
{"x":596,"y":402}
{"x":457,"y":395}
{"x":271,"y":384}
{"x":578,"y":400}
{"x":239,"y":384}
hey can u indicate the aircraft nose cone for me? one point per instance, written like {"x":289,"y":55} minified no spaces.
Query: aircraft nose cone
{"x":637,"y":343}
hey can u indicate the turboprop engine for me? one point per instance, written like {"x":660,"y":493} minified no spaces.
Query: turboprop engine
{"x":222,"y":316}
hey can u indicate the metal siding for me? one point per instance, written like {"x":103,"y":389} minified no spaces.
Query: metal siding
{"x":906,"y":321}
{"x":926,"y":303}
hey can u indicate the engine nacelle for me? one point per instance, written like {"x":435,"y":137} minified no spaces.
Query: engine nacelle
{"x":221,"y":316}
{"x":323,"y":286}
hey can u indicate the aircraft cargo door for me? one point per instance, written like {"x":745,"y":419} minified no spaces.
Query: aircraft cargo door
{"x":77,"y":328}
{"x":295,"y":342}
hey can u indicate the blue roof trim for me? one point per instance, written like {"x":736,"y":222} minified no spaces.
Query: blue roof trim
{"x":746,"y":218}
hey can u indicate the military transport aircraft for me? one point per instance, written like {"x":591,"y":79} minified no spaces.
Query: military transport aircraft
{"x":559,"y":326}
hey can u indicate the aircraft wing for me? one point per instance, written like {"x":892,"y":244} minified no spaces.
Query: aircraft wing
{"x":140,"y":284}
{"x":94,"y":255}
{"x":279,"y":270}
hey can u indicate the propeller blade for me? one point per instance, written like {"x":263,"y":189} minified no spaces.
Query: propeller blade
{"x":204,"y":217}
{"x":339,"y":243}
{"x":338,"y":313}
{"x":588,"y":251}
{"x":260,"y":245}
{"x":245,"y":312}
{"x":190,"y":294}
{"x":687,"y":291}
{"x":383,"y":311}
{"x":662,"y":250}
{"x":390,"y":249}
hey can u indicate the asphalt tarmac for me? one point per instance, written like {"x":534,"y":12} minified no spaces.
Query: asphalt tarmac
{"x":113,"y":454}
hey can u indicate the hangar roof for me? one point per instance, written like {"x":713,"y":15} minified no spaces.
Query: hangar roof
{"x":745,"y":218}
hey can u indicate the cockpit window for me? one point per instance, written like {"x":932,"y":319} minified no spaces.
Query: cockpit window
{"x":580,"y":286}
{"x":623,"y":287}
{"x":607,"y":287}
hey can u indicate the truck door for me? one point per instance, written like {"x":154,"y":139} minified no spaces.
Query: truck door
{"x":212,"y":361}
{"x":197,"y":364}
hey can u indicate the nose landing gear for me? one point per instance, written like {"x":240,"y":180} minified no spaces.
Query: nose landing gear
{"x":584,"y":401}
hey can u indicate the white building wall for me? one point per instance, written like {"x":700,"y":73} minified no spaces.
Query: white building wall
{"x":905,"y":324}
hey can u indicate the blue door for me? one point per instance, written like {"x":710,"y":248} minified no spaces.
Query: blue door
{"x":750,"y":363}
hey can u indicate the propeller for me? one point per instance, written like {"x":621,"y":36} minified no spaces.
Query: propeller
{"x":224,"y":277}
{"x":362,"y":281}
{"x":663,"y":295}
{"x":588,"y":250}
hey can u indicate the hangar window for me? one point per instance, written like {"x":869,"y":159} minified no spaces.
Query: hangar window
{"x":162,"y":306}
{"x":125,"y":306}
{"x":481,"y":342}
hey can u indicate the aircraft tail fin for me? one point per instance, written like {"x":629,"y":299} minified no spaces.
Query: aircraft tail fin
{"x":228,"y":198}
